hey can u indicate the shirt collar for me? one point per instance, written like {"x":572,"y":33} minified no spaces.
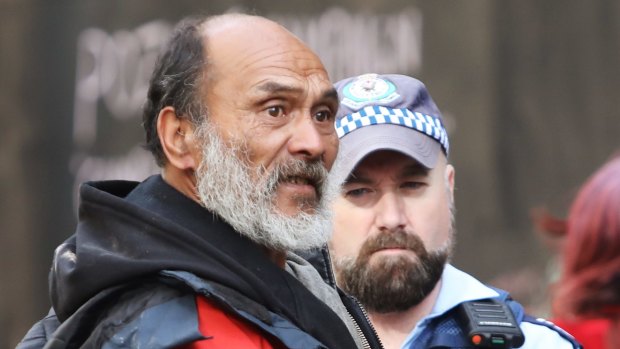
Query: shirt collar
{"x":456,"y":287}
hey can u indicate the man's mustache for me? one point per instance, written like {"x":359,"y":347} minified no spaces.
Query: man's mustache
{"x":399,"y":238}
{"x":312,"y":172}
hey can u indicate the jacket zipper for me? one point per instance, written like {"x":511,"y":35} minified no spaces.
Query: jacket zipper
{"x":365,"y":343}
{"x":360,"y":333}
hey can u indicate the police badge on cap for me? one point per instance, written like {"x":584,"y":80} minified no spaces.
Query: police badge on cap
{"x":389,"y":111}
{"x":368,"y":88}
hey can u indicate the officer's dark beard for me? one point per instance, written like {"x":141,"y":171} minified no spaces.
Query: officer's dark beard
{"x":392,"y":283}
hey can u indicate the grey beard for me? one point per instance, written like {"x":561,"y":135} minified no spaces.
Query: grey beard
{"x":244,"y":196}
{"x":395,"y":283}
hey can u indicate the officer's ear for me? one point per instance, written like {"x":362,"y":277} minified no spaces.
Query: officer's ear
{"x":176,"y":135}
{"x":449,"y":178}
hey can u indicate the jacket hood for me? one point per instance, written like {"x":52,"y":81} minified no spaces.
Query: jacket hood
{"x":128,"y":230}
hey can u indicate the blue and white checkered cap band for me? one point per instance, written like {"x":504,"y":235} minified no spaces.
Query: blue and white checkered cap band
{"x":375,"y":115}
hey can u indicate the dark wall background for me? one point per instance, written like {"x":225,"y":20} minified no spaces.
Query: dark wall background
{"x":529,"y":89}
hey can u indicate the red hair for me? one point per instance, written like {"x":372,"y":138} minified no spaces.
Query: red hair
{"x":590,"y":281}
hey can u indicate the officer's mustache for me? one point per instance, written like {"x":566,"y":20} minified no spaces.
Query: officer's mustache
{"x":395,"y":239}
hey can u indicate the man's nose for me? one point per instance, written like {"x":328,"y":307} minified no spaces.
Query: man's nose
{"x":390,"y":212}
{"x":306,"y":140}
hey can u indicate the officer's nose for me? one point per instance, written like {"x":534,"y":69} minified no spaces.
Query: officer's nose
{"x":390,"y":212}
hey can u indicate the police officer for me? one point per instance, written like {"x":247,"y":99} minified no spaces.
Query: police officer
{"x":393,"y":224}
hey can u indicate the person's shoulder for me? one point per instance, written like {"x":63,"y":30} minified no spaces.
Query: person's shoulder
{"x":41,"y":331}
{"x":591,"y":333}
{"x":541,"y":333}
{"x":163,"y":313}
{"x":158,"y":309}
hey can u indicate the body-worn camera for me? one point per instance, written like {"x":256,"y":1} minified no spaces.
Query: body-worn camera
{"x":490,"y":324}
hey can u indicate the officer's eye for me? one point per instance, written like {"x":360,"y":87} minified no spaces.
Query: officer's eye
{"x":354,"y":193}
{"x":413,"y":185}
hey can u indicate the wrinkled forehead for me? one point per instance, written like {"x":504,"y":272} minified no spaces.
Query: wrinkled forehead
{"x":258,"y":50}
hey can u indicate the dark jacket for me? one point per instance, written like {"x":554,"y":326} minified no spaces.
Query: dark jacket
{"x":141,"y":248}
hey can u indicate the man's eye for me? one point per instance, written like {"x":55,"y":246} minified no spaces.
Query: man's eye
{"x":413,"y":185}
{"x":275,"y":111}
{"x":356,"y":192}
{"x":323,"y":115}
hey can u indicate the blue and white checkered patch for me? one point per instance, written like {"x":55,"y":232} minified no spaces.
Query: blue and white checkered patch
{"x":375,"y":115}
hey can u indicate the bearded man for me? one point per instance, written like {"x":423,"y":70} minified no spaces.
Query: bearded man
{"x":394,"y":224}
{"x":195,"y":257}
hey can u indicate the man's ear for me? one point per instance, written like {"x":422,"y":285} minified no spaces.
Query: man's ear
{"x":449,"y":175}
{"x":176,"y":136}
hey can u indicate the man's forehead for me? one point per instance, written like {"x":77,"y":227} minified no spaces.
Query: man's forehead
{"x":273,"y":63}
{"x":278,"y":85}
{"x":229,"y":23}
{"x":253,"y":41}
{"x":268,"y":66}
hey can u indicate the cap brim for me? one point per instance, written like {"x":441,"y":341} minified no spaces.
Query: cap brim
{"x":363,"y":141}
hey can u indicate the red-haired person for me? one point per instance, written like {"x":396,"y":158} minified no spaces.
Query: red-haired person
{"x":586,"y":298}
